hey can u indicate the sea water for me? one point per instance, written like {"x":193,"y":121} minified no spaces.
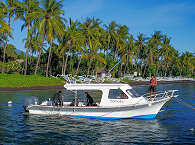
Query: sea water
{"x":175,"y":123}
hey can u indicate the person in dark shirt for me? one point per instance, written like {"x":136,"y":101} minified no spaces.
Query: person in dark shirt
{"x":60,"y":98}
{"x":57,"y":99}
{"x":89,"y":99}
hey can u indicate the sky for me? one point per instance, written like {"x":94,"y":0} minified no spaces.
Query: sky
{"x":175,"y":18}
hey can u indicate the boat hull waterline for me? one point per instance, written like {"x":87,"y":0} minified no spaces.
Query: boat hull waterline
{"x":144,"y":111}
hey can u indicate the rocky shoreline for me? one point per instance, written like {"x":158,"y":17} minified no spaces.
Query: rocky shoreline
{"x":61,"y":86}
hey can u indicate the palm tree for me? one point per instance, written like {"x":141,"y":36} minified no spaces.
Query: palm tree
{"x":176,"y":65}
{"x":91,"y":32}
{"x":153,"y":46}
{"x":140,"y":50}
{"x":80,"y":42}
{"x":69,"y":43}
{"x":51,"y":23}
{"x":28,"y":7}
{"x":187,"y":64}
{"x":73,"y":41}
{"x":3,"y":13}
{"x":111,"y":37}
{"x":166,"y":52}
{"x":127,"y":55}
{"x":10,"y":52}
{"x":122,"y":37}
{"x":6,"y":10}
{"x":62,"y":49}
{"x":37,"y":46}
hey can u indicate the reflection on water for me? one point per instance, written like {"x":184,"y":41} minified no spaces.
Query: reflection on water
{"x":93,"y":131}
{"x":172,"y":125}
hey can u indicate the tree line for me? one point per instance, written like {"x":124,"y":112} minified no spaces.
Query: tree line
{"x":55,"y":45}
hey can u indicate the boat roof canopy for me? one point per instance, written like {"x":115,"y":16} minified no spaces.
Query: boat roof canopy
{"x":95,"y":86}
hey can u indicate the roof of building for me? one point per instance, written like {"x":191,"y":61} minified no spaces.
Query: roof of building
{"x":102,"y":70}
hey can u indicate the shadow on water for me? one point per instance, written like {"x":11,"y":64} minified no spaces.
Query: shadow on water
{"x":172,"y":125}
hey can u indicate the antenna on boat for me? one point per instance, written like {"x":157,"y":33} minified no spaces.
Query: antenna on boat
{"x":114,"y":66}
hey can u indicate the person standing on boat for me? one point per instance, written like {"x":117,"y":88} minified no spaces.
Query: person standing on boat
{"x":153,"y":84}
{"x":89,"y":99}
{"x":57,"y":99}
{"x":60,"y":98}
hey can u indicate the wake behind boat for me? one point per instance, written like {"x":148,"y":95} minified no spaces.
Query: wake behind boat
{"x":118,"y":101}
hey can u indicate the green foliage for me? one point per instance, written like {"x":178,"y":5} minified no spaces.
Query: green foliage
{"x":13,"y":67}
{"x":125,"y":80}
{"x":151,"y":70}
{"x":17,"y":80}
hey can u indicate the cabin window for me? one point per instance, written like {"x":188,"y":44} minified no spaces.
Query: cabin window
{"x":117,"y":94}
{"x":133,"y":93}
{"x":69,"y":96}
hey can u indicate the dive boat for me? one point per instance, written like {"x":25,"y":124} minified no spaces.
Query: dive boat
{"x":118,"y":101}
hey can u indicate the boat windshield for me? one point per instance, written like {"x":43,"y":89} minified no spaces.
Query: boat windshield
{"x":133,"y":92}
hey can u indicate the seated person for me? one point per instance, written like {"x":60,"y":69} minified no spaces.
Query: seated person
{"x":72,"y":103}
{"x":124,"y":96}
{"x":89,"y":99}
{"x":78,"y":102}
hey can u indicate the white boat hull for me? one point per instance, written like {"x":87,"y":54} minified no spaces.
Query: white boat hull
{"x":144,"y":111}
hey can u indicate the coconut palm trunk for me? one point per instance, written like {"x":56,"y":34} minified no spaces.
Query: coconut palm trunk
{"x":157,"y":71}
{"x":38,"y":61}
{"x":48,"y":60}
{"x":66,"y":62}
{"x":50,"y":68}
{"x":26,"y":57}
{"x":63,"y":61}
{"x":65,"y":65}
{"x":77,"y":71}
{"x":4,"y":52}
{"x":141,"y":67}
{"x":90,"y":63}
{"x":121,"y":69}
{"x":145,"y":67}
{"x":166,"y":70}
{"x":70,"y":66}
{"x":31,"y":52}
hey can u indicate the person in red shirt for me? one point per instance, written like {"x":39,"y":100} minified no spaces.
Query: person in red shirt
{"x":153,"y":84}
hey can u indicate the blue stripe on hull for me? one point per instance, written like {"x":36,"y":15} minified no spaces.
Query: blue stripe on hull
{"x":149,"y":116}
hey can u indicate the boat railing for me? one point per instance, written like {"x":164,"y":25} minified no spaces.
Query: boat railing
{"x":160,"y":95}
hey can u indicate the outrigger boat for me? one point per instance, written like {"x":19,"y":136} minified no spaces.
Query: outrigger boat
{"x":111,"y":105}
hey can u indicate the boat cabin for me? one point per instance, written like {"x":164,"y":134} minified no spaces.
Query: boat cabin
{"x":112,"y":94}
